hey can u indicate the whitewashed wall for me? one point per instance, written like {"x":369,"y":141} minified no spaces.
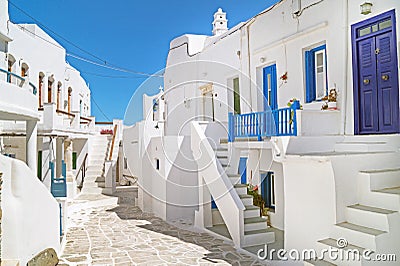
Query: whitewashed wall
{"x":30,"y":222}
{"x":47,"y":57}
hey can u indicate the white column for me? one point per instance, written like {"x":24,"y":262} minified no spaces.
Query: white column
{"x":59,"y":154}
{"x":31,"y":144}
{"x":68,"y":159}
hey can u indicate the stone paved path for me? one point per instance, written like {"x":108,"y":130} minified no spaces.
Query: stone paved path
{"x":123,"y":235}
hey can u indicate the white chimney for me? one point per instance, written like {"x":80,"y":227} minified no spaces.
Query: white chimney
{"x":3,"y":16}
{"x":220,"y":24}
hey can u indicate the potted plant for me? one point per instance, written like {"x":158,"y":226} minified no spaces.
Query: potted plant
{"x":258,"y":201}
{"x":330,"y":100}
{"x":294,"y":104}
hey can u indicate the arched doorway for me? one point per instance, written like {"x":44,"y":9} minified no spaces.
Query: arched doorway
{"x":24,"y":70}
{"x":41,"y":77}
{"x":59,"y":85}
{"x":69,"y":99}
{"x":10,"y":67}
{"x":50,"y":89}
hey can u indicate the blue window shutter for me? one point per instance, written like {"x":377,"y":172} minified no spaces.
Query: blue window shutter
{"x":310,"y":76}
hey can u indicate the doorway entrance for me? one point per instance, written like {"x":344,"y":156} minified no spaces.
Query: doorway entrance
{"x":375,"y":75}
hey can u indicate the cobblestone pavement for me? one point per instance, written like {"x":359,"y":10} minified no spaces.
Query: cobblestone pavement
{"x":124,"y":235}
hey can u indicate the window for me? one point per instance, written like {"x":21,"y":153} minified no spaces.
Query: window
{"x":236,"y":96}
{"x":157,"y":164}
{"x":39,"y":166}
{"x":74,"y":157}
{"x":378,"y":26}
{"x":316,"y":74}
{"x":268,"y":189}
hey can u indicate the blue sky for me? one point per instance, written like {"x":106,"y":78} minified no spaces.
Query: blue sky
{"x":131,"y":34}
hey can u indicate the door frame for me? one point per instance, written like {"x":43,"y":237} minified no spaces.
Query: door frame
{"x":354,"y":40}
{"x":274,"y":87}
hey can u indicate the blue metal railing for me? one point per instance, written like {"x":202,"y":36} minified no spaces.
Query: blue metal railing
{"x":58,"y":185}
{"x":10,"y":75}
{"x":270,"y":123}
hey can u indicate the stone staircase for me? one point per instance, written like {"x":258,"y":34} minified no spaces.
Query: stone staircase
{"x":94,"y":182}
{"x":373,"y":223}
{"x":256,"y":230}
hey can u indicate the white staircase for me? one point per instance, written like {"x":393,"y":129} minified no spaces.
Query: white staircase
{"x":374,"y":222}
{"x":94,"y":182}
{"x":256,"y":231}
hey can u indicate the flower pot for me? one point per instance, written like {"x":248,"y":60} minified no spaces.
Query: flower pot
{"x":332,"y":105}
{"x":296,"y":105}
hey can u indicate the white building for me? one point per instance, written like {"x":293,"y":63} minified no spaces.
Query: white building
{"x":45,"y":122}
{"x":323,"y":174}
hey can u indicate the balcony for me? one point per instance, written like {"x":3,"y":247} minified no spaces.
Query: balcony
{"x":18,"y":97}
{"x":270,"y":123}
{"x":53,"y":119}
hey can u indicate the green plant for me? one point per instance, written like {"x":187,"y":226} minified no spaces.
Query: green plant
{"x":289,"y":104}
{"x":257,"y":198}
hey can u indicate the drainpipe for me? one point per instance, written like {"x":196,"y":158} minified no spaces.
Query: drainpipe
{"x":249,"y":61}
{"x":346,"y":68}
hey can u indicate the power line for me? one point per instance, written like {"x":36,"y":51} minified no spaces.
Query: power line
{"x":110,"y":76}
{"x":103,"y":63}
{"x":114,"y":67}
{"x":98,"y":107}
{"x":55,"y":33}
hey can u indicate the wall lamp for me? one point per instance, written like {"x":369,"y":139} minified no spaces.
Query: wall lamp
{"x":366,"y":8}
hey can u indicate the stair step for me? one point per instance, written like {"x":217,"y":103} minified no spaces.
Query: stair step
{"x":101,"y":179}
{"x":101,"y":184}
{"x":254,"y":220}
{"x":318,"y":262}
{"x":379,"y":199}
{"x":241,"y":189}
{"x":361,"y":229}
{"x":357,"y":234}
{"x":254,"y":232}
{"x":258,"y":237}
{"x":371,"y":209}
{"x":333,"y":243}
{"x":394,"y":190}
{"x":255,"y":223}
{"x":235,"y":179}
{"x":374,"y":171}
{"x":251,"y":211}
{"x":252,"y":207}
{"x":368,"y":216}
{"x":383,"y":178}
{"x":246,"y":199}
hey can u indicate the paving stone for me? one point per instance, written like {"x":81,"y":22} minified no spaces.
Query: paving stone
{"x":124,"y":235}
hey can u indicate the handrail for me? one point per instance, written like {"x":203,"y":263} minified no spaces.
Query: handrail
{"x":64,"y":113}
{"x":103,"y":123}
{"x":82,"y":169}
{"x":113,"y":142}
{"x":86,"y":119}
{"x":10,"y":74}
{"x":270,"y":123}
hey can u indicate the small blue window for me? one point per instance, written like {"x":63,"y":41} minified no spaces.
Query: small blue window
{"x":316,"y":74}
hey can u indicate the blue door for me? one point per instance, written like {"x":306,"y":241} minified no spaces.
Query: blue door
{"x":243,"y":170}
{"x":268,"y":189}
{"x":270,"y":88}
{"x":376,"y":90}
